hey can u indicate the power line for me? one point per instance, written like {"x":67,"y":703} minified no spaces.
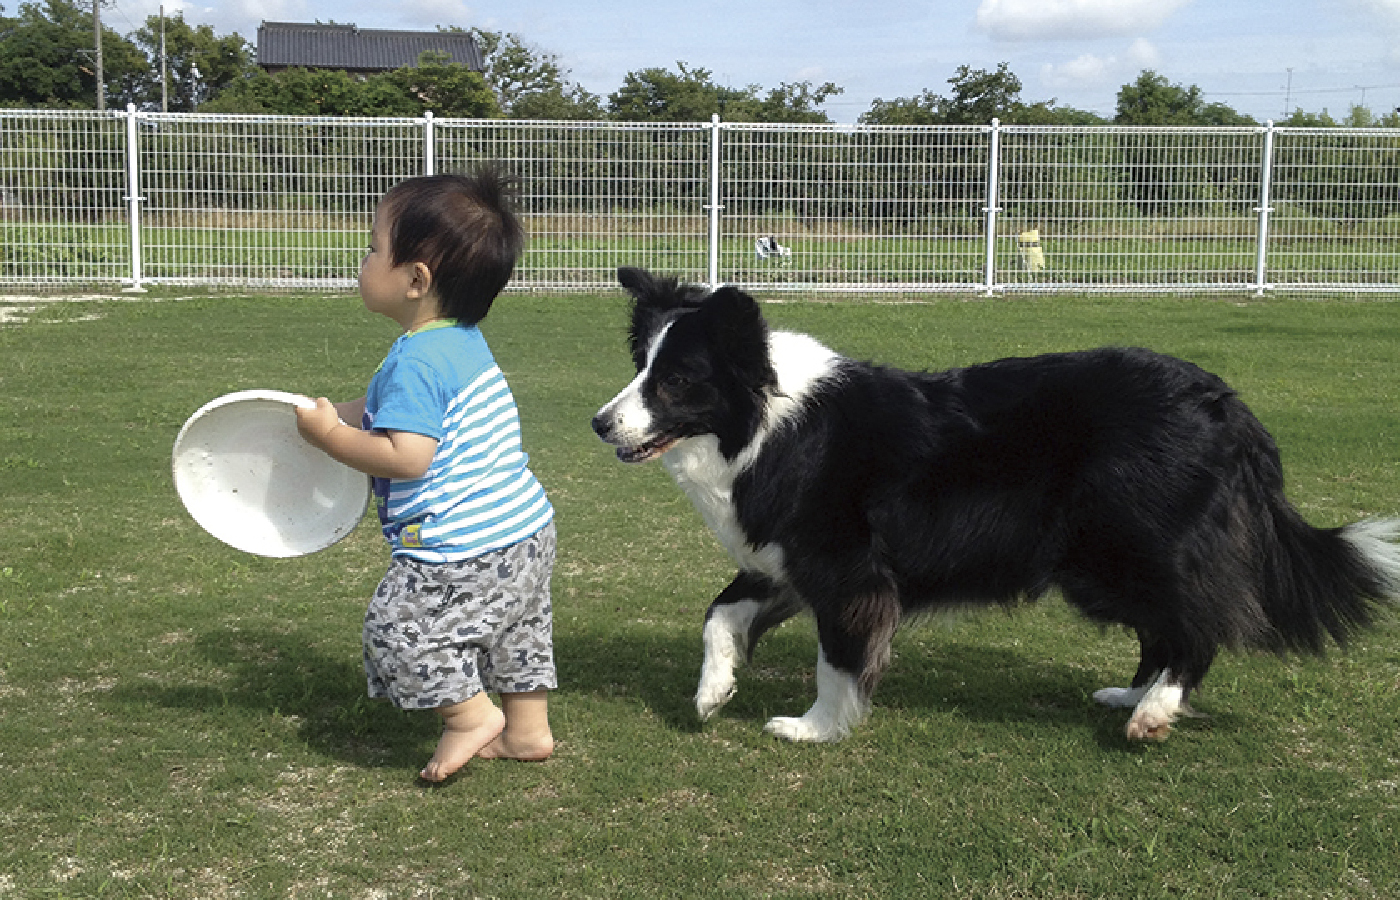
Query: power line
{"x":1281,"y":92}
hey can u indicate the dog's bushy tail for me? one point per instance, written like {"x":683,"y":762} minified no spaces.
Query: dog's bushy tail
{"x":1325,"y":583}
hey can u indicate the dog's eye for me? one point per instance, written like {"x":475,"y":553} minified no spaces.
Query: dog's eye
{"x":675,"y":383}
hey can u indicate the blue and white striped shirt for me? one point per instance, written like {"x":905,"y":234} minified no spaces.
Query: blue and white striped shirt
{"x":478,"y":494}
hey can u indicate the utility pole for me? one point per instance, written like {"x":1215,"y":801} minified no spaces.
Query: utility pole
{"x":164,"y":106}
{"x":97,"y":42}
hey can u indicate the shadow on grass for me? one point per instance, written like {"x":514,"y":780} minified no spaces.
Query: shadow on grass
{"x":274,"y":673}
{"x":979,"y":683}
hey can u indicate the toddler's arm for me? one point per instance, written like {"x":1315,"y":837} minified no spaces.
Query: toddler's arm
{"x":352,"y":412}
{"x":383,"y":454}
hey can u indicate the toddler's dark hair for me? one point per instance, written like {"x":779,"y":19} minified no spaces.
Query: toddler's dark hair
{"x":463,"y":226}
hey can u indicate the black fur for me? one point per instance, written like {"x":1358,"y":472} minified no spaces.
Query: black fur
{"x":1138,"y":484}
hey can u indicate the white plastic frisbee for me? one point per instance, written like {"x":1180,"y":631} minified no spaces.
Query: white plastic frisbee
{"x":249,"y":479}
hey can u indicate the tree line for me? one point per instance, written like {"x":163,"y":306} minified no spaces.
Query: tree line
{"x":47,"y":61}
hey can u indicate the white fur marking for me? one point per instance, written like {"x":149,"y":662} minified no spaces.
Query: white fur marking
{"x":726,"y":636}
{"x":1375,"y":541}
{"x":1120,"y":698}
{"x":627,"y":415}
{"x":1158,"y":708}
{"x":707,"y":478}
{"x":838,"y":709}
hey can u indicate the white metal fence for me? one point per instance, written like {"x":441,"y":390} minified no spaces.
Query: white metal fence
{"x":141,"y":199}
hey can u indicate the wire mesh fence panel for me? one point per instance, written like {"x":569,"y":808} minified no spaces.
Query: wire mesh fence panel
{"x":62,"y":188}
{"x":265,"y":200}
{"x":596,"y":196}
{"x":1120,"y":209}
{"x":852,"y":208}
{"x":282,"y":201}
{"x":1336,"y":210}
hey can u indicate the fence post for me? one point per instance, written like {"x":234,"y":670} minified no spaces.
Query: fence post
{"x":133,"y":200}
{"x":992,"y":207}
{"x":713,"y":206}
{"x":429,"y":144}
{"x":1266,"y":174}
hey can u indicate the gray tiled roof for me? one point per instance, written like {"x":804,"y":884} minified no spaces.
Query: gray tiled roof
{"x":316,"y":46}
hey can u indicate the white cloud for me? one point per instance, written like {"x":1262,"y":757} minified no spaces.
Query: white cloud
{"x":1143,"y":55}
{"x":1095,"y":71}
{"x":1029,"y":20}
{"x":1386,"y":10}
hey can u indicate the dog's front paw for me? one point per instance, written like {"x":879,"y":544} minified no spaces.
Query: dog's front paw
{"x":710,"y":697}
{"x":801,"y":729}
{"x":1118,"y":698}
{"x":1146,"y":726}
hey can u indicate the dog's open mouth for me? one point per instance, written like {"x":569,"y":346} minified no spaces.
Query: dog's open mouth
{"x":649,"y":450}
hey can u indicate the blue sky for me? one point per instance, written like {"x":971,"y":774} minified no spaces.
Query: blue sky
{"x":1259,"y":56}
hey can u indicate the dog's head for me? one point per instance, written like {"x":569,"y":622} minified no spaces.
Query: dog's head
{"x":702,"y":364}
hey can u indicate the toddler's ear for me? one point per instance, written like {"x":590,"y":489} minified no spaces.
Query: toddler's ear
{"x":422,"y":281}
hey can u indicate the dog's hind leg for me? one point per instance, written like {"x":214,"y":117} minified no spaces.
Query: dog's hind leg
{"x":739,"y":616}
{"x":855,"y":649}
{"x":1152,"y":661}
{"x":1164,"y":680}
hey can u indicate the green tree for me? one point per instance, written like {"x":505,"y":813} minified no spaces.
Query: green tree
{"x":531,"y":84}
{"x":691,"y":95}
{"x":797,"y":102}
{"x":1172,"y":191}
{"x":660,"y":95}
{"x":925,"y":109}
{"x":47,"y":59}
{"x":978,"y":97}
{"x":445,"y":89}
{"x":199,"y":63}
{"x":1152,"y":100}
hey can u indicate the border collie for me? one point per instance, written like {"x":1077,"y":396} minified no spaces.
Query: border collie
{"x":1137,"y":484}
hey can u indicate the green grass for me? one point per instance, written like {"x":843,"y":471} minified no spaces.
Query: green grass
{"x":179,"y":720}
{"x":1146,"y":253}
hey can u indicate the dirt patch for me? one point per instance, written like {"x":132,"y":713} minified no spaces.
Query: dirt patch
{"x":17,"y":309}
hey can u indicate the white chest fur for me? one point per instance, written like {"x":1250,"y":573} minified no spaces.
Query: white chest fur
{"x":707,"y":478}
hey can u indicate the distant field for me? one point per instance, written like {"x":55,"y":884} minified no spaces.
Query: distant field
{"x":180,"y":720}
{"x":1118,"y":254}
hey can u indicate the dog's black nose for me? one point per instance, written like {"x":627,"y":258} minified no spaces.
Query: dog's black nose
{"x":600,"y":426}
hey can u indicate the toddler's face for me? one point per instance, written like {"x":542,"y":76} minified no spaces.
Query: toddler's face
{"x":383,"y":285}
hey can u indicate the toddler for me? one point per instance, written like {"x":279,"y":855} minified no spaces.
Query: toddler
{"x":465,"y":607}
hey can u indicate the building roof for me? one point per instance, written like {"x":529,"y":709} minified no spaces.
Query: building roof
{"x":316,"y":46}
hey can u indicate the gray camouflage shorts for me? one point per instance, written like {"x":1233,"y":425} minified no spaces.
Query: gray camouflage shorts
{"x":438,"y":634}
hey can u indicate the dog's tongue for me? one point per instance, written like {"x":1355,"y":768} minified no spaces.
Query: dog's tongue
{"x":644,"y":452}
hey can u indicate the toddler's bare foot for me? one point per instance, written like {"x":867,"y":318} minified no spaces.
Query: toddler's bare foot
{"x":527,"y":748}
{"x":464,"y":734}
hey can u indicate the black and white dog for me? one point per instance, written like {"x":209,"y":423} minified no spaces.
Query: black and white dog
{"x":1137,"y":484}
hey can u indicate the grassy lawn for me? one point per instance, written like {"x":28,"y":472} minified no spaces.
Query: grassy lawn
{"x":180,"y":720}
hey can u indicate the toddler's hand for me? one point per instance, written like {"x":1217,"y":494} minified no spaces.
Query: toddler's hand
{"x":315,"y":423}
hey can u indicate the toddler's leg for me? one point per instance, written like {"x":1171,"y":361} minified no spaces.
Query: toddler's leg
{"x":526,"y":735}
{"x":466,"y":728}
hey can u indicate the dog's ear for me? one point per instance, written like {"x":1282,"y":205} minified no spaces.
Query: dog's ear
{"x":638,"y":282}
{"x":652,"y":301}
{"x":655,"y":301}
{"x":736,"y":324}
{"x":663,"y":293}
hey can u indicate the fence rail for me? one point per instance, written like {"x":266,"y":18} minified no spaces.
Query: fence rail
{"x":137,"y":199}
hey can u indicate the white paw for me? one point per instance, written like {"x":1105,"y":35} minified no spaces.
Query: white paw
{"x":1157,"y":710}
{"x":796,"y":729}
{"x":805,"y":728}
{"x":1119,"y":698}
{"x":711,"y":696}
{"x":1148,"y":727}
